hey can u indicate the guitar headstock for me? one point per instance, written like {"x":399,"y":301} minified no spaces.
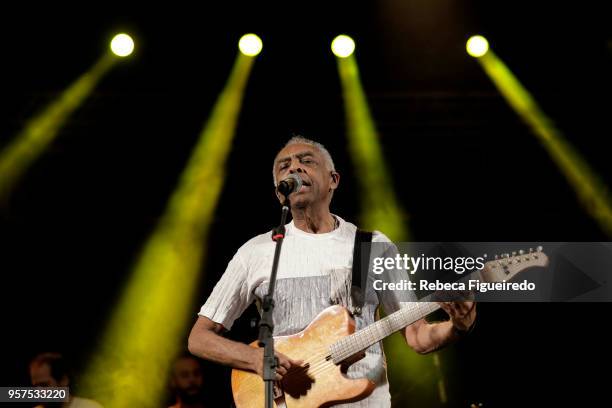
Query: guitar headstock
{"x":506,"y":266}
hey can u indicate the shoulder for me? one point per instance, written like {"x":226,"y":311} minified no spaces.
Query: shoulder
{"x":256,"y":241}
{"x":254,"y":247}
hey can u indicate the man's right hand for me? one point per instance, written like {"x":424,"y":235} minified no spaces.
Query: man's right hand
{"x":284,"y":364}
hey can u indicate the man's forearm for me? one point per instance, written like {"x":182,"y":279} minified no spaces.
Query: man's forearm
{"x":208,"y":345}
{"x":428,"y":337}
{"x":434,"y":336}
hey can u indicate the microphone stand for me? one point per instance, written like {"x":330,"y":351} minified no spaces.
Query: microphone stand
{"x":266,"y":324}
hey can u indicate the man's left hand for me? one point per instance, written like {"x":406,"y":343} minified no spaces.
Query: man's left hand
{"x":462,"y":314}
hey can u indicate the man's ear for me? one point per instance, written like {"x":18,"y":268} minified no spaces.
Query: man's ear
{"x":335,"y":176}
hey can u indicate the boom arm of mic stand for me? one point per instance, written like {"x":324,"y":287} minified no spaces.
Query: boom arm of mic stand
{"x":266,"y":324}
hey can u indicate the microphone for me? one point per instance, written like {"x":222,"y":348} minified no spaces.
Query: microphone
{"x":291,"y":184}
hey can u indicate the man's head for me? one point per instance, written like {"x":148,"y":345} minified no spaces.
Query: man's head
{"x":49,"y":370}
{"x":313,"y":163}
{"x":187,"y":379}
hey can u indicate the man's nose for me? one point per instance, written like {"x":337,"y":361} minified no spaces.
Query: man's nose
{"x":296,"y":167}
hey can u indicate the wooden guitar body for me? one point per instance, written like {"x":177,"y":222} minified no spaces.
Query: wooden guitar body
{"x":321,"y":383}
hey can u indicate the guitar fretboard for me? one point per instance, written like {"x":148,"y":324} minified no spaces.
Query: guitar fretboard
{"x":375,"y":332}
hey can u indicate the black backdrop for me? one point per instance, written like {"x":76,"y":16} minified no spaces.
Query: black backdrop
{"x":465,"y":167}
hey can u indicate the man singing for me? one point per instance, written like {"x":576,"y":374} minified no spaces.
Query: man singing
{"x":314,"y":266}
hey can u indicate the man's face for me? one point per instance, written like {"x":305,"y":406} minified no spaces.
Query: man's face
{"x":40,"y":375}
{"x":187,"y":379}
{"x":309,"y":164}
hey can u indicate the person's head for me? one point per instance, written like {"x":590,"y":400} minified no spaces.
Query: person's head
{"x":315,"y":166}
{"x":187,"y":379}
{"x":49,"y":370}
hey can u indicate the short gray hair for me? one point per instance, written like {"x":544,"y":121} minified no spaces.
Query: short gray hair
{"x":329,"y":162}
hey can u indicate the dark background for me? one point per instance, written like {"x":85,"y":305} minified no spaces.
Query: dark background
{"x":465,"y":167}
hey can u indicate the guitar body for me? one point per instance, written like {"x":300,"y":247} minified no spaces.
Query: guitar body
{"x":322,"y":384}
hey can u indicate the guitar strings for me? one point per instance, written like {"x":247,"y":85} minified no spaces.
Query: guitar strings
{"x":313,"y":364}
{"x":314,"y":367}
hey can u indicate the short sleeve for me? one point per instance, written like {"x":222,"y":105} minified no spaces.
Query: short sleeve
{"x":230,"y":296}
{"x":392,"y":300}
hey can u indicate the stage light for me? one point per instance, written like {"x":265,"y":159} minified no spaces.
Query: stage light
{"x":342,"y":46}
{"x":122,"y":45}
{"x":250,"y":45}
{"x":477,"y":46}
{"x":40,"y":130}
{"x":148,"y":326}
{"x":590,"y":189}
{"x":380,"y":209}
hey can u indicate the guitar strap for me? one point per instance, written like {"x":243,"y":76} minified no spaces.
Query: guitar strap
{"x":361,"y":266}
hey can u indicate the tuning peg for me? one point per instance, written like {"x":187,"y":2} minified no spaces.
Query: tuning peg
{"x":521,"y":252}
{"x":496,"y":256}
{"x":539,"y":248}
{"x":530,"y":250}
{"x":513,"y":253}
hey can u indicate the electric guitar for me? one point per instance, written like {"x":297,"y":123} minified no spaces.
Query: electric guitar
{"x":329,"y":344}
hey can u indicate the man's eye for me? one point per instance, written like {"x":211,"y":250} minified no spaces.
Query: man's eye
{"x":306,"y":161}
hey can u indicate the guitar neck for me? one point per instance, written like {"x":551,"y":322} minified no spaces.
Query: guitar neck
{"x":385,"y":327}
{"x":375,"y":332}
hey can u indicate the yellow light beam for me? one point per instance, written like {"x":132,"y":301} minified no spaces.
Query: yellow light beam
{"x":419,"y":376}
{"x":149,"y":326}
{"x":42,"y":129}
{"x":380,"y":210}
{"x":591,"y":191}
{"x":379,"y":207}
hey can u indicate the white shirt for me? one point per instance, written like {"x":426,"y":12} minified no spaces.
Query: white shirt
{"x":312,"y":270}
